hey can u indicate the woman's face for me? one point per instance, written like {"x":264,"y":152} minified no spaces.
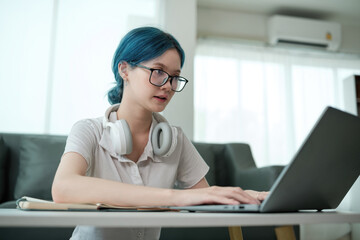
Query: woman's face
{"x":146,"y":95}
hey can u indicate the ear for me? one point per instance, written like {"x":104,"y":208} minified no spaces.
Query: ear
{"x":123,"y":69}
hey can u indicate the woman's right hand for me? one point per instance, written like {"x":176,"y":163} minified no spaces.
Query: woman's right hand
{"x":213,"y":195}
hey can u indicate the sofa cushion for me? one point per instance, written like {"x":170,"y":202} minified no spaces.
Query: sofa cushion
{"x":39,"y":158}
{"x":3,"y":155}
{"x":207,"y":153}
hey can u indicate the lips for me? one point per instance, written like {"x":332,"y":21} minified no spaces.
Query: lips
{"x":162,"y":98}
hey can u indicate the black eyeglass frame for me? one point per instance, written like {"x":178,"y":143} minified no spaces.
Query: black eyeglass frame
{"x":179,"y":78}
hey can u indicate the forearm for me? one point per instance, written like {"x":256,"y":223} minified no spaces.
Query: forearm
{"x":72,"y":185}
{"x":82,"y":189}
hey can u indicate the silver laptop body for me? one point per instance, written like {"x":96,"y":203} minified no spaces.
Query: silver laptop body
{"x":319,"y":175}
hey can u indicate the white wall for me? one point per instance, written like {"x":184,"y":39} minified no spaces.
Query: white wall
{"x":231,"y":24}
{"x":179,"y":19}
{"x":221,"y":23}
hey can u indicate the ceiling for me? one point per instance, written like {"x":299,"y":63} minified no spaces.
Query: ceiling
{"x":343,"y":11}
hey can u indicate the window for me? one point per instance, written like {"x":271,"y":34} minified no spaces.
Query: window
{"x":55,"y":61}
{"x":269,"y":98}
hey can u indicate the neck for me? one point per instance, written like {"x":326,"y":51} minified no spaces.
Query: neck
{"x":139,"y":120}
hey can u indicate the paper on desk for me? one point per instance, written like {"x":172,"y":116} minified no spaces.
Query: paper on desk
{"x":30,"y":203}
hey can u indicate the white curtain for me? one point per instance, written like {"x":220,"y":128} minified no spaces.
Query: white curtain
{"x":55,"y":61}
{"x":269,"y":98}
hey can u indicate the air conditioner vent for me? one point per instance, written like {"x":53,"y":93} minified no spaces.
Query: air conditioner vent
{"x":319,"y":45}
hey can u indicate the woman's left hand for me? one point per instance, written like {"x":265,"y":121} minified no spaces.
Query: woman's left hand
{"x":257,"y":195}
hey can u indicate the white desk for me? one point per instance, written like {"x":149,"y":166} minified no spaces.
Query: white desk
{"x":19,"y":218}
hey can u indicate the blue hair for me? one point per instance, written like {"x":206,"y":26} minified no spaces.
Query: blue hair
{"x":139,"y":45}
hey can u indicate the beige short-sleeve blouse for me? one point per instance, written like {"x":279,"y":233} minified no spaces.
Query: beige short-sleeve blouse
{"x":184,"y":167}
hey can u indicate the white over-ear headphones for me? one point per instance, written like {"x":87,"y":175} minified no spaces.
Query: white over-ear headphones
{"x":163,"y":136}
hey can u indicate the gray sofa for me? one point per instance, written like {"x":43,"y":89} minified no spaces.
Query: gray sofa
{"x":28,"y":163}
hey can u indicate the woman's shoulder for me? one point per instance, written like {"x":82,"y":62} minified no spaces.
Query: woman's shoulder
{"x":89,"y":125}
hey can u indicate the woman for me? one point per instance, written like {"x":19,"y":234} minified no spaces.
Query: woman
{"x":114,"y":160}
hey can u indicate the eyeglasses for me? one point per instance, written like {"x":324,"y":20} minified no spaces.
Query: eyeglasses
{"x":159,"y":78}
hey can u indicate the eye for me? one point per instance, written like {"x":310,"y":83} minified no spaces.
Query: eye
{"x":158,"y":71}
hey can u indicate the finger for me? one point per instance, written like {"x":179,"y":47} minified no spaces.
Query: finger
{"x":258,"y":195}
{"x":221,"y":200}
{"x":262,"y":195}
{"x":210,"y":195}
{"x":253,"y":200}
{"x":242,"y":196}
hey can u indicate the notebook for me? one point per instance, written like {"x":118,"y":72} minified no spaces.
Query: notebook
{"x":319,"y":175}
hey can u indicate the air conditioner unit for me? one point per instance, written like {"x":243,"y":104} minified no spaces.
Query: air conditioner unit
{"x":310,"y":32}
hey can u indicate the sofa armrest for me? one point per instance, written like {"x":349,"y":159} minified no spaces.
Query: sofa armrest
{"x":260,"y":179}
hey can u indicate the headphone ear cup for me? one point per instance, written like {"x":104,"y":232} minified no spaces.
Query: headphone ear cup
{"x":121,"y":137}
{"x":167,"y":145}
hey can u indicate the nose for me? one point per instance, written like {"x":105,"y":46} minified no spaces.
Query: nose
{"x":167,"y":85}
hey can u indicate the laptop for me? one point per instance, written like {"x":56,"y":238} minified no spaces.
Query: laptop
{"x":319,"y":175}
